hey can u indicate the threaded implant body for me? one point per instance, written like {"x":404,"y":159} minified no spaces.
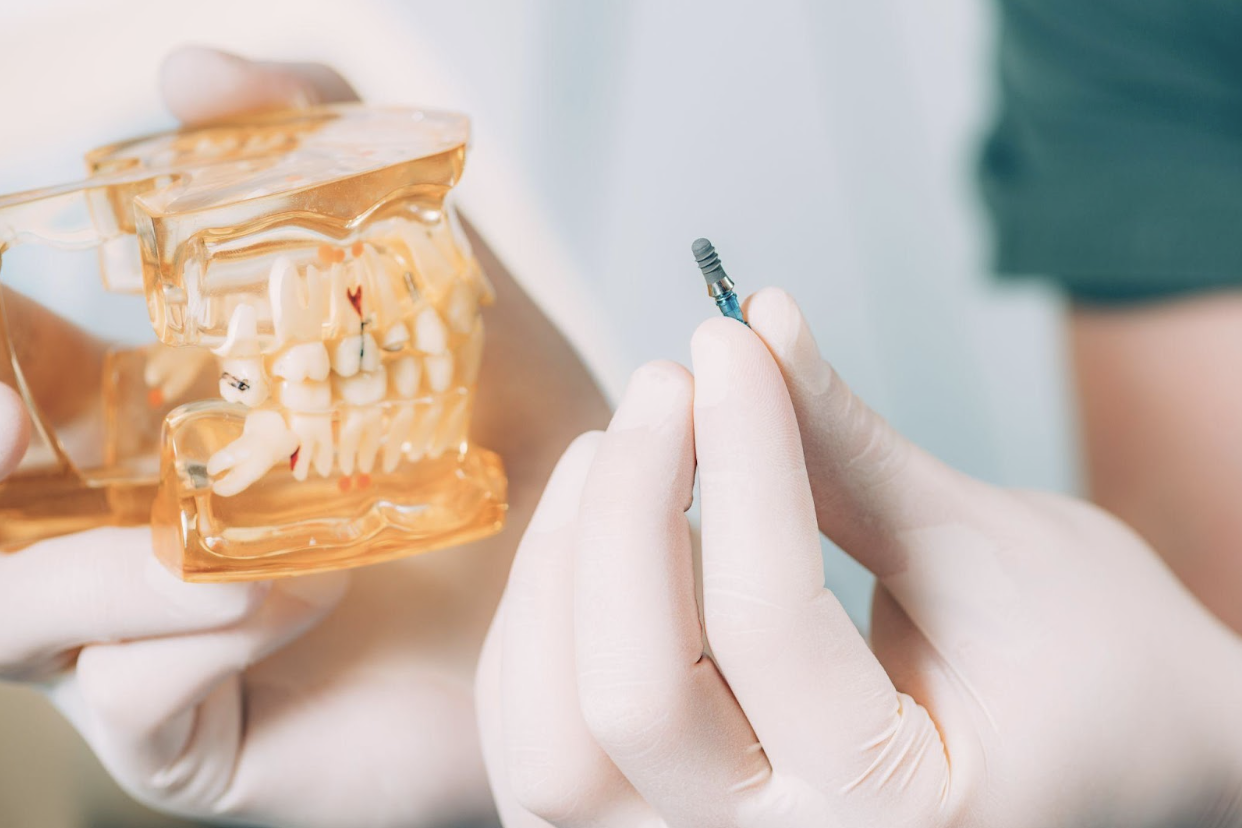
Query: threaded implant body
{"x":719,"y":285}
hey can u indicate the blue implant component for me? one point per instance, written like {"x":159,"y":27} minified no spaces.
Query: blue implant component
{"x":719,"y":285}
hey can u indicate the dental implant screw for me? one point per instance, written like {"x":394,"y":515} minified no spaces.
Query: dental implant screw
{"x":719,"y":285}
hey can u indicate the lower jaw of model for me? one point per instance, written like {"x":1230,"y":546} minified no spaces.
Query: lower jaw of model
{"x":340,"y":438}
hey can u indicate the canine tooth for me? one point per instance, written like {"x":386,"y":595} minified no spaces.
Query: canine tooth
{"x":297,"y":303}
{"x":463,"y":307}
{"x":398,"y":432}
{"x":470,"y":355}
{"x":306,"y":396}
{"x":439,"y":371}
{"x":265,"y":441}
{"x":362,"y":431}
{"x":242,"y":381}
{"x":314,"y":433}
{"x":305,"y":360}
{"x":364,"y":388}
{"x":404,"y":374}
{"x":430,"y":335}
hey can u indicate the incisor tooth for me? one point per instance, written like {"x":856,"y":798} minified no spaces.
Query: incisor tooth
{"x":305,"y":360}
{"x":362,"y":431}
{"x":314,"y":433}
{"x":297,"y":303}
{"x":404,"y":374}
{"x":430,"y":335}
{"x":264,"y":442}
{"x":439,"y":371}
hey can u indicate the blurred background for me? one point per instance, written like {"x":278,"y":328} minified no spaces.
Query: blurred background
{"x":825,"y":147}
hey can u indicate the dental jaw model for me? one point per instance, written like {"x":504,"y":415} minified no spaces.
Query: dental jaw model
{"x":309,"y":269}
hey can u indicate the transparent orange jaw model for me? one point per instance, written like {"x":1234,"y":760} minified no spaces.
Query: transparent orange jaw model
{"x":304,"y":402}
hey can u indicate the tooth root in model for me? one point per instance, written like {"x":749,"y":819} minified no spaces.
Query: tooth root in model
{"x":362,"y":427}
{"x":373,"y":276}
{"x":241,"y":365}
{"x":470,"y":355}
{"x":404,"y":375}
{"x":343,"y":318}
{"x":426,"y":419}
{"x":264,"y":442}
{"x":463,"y":307}
{"x":314,"y":433}
{"x":298,"y":303}
{"x":450,"y":431}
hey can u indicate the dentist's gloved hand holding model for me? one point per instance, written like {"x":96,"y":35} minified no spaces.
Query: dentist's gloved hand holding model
{"x":1033,"y":663}
{"x":327,"y":700}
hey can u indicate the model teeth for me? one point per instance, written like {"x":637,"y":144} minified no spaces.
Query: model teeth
{"x":264,"y":442}
{"x":399,"y":426}
{"x":355,"y":353}
{"x":303,"y":361}
{"x":404,"y":375}
{"x":297,"y":303}
{"x":362,"y":431}
{"x":463,"y":307}
{"x":430,"y":335}
{"x":314,"y":432}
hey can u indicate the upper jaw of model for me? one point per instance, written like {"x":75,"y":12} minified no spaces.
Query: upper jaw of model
{"x":336,"y":383}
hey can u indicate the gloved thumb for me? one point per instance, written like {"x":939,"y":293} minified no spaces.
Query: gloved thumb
{"x":875,"y":491}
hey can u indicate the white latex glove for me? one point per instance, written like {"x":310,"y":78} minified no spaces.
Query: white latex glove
{"x":368,"y":718}
{"x":1034,"y":662}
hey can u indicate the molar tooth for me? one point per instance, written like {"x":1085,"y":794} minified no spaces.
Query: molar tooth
{"x":297,"y":303}
{"x":355,"y":353}
{"x":404,"y":375}
{"x":305,"y":360}
{"x":430,"y":335}
{"x":362,"y":431}
{"x":463,"y":307}
{"x":264,"y":442}
{"x":439,"y":371}
{"x":365,"y":388}
{"x":314,"y":433}
{"x":242,"y":381}
{"x":398,"y":431}
{"x":306,"y":396}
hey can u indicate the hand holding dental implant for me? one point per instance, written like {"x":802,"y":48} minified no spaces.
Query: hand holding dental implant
{"x":1033,"y":663}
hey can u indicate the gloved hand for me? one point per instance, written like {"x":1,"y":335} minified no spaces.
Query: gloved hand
{"x":197,"y":698}
{"x":1033,"y":662}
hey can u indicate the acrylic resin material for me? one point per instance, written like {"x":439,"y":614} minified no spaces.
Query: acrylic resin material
{"x":297,"y":394}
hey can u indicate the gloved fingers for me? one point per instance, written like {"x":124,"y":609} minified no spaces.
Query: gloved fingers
{"x":101,"y":586}
{"x":14,"y":430}
{"x":876,"y":494}
{"x":201,"y":85}
{"x":650,"y":697}
{"x":817,"y":698}
{"x":556,"y":771}
{"x":166,"y":714}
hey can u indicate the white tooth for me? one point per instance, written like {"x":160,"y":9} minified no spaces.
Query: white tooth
{"x":355,"y":353}
{"x":439,"y":371}
{"x":470,"y":355}
{"x":297,"y":302}
{"x":342,"y":317}
{"x":264,"y":442}
{"x":398,"y":432}
{"x":314,"y":433}
{"x":307,"y":396}
{"x":379,"y":280}
{"x":242,"y":381}
{"x":426,"y":419}
{"x":365,"y":388}
{"x":463,"y":307}
{"x":404,"y":374}
{"x":430,"y":335}
{"x":242,"y":339}
{"x":396,"y":336}
{"x":452,"y":427}
{"x":362,"y":431}
{"x":305,"y":360}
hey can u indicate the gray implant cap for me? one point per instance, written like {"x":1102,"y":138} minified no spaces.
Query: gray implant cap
{"x":707,"y":260}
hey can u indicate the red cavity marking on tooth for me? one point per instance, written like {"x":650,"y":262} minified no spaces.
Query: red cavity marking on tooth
{"x":355,"y":298}
{"x":293,"y":458}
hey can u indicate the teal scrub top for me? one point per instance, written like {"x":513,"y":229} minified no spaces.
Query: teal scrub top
{"x":1115,"y":163}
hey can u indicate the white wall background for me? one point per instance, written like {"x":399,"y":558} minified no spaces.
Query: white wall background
{"x":824,"y":145}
